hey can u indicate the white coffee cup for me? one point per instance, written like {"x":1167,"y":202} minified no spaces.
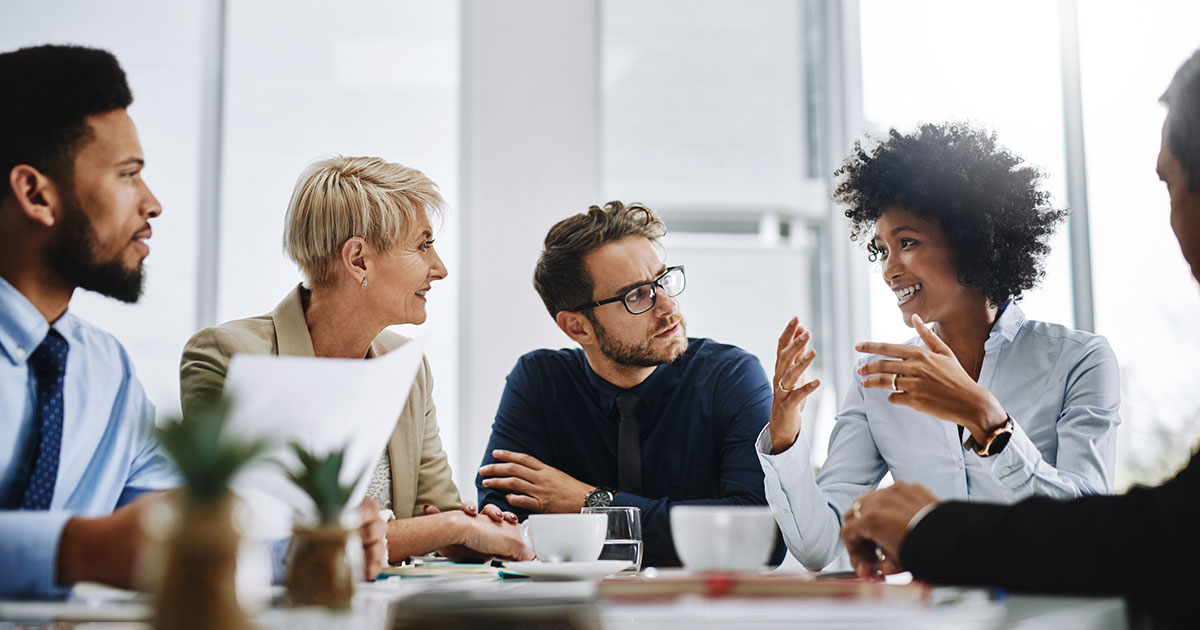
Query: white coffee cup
{"x":721,"y":537}
{"x":565,"y":537}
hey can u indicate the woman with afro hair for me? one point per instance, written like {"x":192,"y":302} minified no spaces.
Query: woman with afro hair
{"x":984,"y":404}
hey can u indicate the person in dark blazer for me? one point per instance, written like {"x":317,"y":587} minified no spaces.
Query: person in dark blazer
{"x":1141,"y":544}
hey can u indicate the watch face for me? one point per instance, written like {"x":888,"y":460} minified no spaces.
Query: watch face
{"x":600,"y":497}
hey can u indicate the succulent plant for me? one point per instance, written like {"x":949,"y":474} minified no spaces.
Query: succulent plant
{"x":318,"y":477}
{"x":206,"y":459}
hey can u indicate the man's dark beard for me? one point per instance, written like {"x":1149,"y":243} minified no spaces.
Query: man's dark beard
{"x":641,"y":355}
{"x":71,"y":255}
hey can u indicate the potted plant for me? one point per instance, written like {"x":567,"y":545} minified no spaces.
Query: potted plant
{"x":197,"y":584}
{"x":319,"y":571}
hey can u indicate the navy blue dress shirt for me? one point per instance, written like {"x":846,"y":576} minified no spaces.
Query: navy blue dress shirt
{"x":698,"y":420}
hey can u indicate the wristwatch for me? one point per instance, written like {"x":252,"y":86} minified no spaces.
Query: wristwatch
{"x":600,"y":497}
{"x":995,"y":442}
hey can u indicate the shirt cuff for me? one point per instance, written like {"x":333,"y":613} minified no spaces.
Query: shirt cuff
{"x":1015,"y":466}
{"x":29,"y":552}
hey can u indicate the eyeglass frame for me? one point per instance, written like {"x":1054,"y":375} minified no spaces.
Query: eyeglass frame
{"x":654,"y":285}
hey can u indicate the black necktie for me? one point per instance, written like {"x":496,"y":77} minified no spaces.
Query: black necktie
{"x":49,"y":363}
{"x":629,"y":446}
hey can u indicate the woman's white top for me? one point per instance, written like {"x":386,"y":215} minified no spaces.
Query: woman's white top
{"x":1060,"y":386}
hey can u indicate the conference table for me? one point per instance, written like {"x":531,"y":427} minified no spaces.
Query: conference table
{"x":475,"y":601}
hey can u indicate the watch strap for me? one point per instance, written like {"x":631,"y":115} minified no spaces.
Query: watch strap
{"x":995,"y":442}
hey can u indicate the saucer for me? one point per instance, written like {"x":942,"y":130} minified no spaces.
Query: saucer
{"x":539,"y":570}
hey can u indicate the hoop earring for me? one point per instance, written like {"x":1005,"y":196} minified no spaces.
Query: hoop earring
{"x":364,"y":284}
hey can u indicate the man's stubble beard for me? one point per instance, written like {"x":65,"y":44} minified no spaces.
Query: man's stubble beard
{"x":71,"y":255}
{"x":643,"y":354}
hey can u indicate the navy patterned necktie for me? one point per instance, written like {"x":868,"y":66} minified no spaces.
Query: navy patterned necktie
{"x":49,"y":363}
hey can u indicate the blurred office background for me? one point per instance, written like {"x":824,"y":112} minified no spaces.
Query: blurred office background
{"x":729,"y":117}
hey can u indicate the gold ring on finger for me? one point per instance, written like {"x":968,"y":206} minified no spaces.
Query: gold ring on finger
{"x":784,"y":389}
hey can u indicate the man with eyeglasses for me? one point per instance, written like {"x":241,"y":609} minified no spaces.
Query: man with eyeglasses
{"x":639,"y":415}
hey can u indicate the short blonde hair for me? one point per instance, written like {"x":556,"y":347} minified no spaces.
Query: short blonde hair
{"x":342,"y":197}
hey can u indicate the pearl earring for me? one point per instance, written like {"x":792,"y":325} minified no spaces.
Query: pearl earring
{"x":364,"y":284}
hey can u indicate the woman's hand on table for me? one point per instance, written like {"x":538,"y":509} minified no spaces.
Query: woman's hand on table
{"x":468,"y":507}
{"x":481,"y":537}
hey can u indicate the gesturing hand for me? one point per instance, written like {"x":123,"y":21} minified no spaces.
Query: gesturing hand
{"x":875,"y":526}
{"x":787,"y":405}
{"x":931,"y":380}
{"x":532,"y":485}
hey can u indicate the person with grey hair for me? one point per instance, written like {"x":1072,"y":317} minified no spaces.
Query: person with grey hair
{"x":359,"y":229}
{"x":1138,"y":544}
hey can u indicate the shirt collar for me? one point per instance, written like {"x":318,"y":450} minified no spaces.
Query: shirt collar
{"x":22,"y":326}
{"x":1008,"y":324}
{"x":650,"y":391}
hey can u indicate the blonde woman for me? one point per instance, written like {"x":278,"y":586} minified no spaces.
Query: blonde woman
{"x":359,"y":229}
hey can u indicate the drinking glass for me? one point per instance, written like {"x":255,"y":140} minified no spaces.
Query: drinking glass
{"x":624,"y":538}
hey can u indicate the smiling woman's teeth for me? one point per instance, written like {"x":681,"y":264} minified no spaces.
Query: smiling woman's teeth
{"x":906,"y":294}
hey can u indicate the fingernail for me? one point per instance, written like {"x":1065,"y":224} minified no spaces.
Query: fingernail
{"x":425,"y":507}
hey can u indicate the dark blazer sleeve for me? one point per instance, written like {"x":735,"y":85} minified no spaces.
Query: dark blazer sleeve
{"x":1142,"y":544}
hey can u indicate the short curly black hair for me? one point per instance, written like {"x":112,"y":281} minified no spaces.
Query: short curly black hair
{"x":51,"y":90}
{"x":996,"y":218}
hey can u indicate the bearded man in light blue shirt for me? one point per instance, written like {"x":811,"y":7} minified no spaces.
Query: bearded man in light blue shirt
{"x":76,"y":449}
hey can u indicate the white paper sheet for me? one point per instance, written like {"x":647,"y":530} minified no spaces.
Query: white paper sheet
{"x":322,"y":404}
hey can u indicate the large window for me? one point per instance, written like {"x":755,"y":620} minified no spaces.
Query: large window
{"x":1146,"y":300}
{"x":1000,"y":65}
{"x":932,"y":61}
{"x":709,"y":121}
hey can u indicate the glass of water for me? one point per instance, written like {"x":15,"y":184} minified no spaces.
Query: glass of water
{"x":624,"y":538}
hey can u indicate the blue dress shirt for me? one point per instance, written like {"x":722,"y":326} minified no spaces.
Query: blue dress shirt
{"x":108,"y":454}
{"x":1060,"y":386}
{"x":698,"y":420}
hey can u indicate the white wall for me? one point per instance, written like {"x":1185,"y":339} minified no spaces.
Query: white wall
{"x":529,"y":159}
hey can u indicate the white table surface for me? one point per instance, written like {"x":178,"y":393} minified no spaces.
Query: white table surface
{"x":103,"y":608}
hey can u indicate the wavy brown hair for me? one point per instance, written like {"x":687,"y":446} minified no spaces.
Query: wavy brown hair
{"x":560,"y":277}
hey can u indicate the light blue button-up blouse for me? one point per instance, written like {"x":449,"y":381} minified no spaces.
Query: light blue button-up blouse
{"x":1061,"y":387}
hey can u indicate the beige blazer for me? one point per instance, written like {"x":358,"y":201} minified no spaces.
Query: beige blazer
{"x":420,"y":469}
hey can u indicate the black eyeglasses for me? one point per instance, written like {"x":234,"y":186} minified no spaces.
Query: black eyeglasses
{"x":642,"y":297}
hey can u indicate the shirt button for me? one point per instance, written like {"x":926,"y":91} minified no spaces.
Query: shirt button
{"x":787,"y":512}
{"x":19,"y":353}
{"x":960,"y":464}
{"x":791,"y":467}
